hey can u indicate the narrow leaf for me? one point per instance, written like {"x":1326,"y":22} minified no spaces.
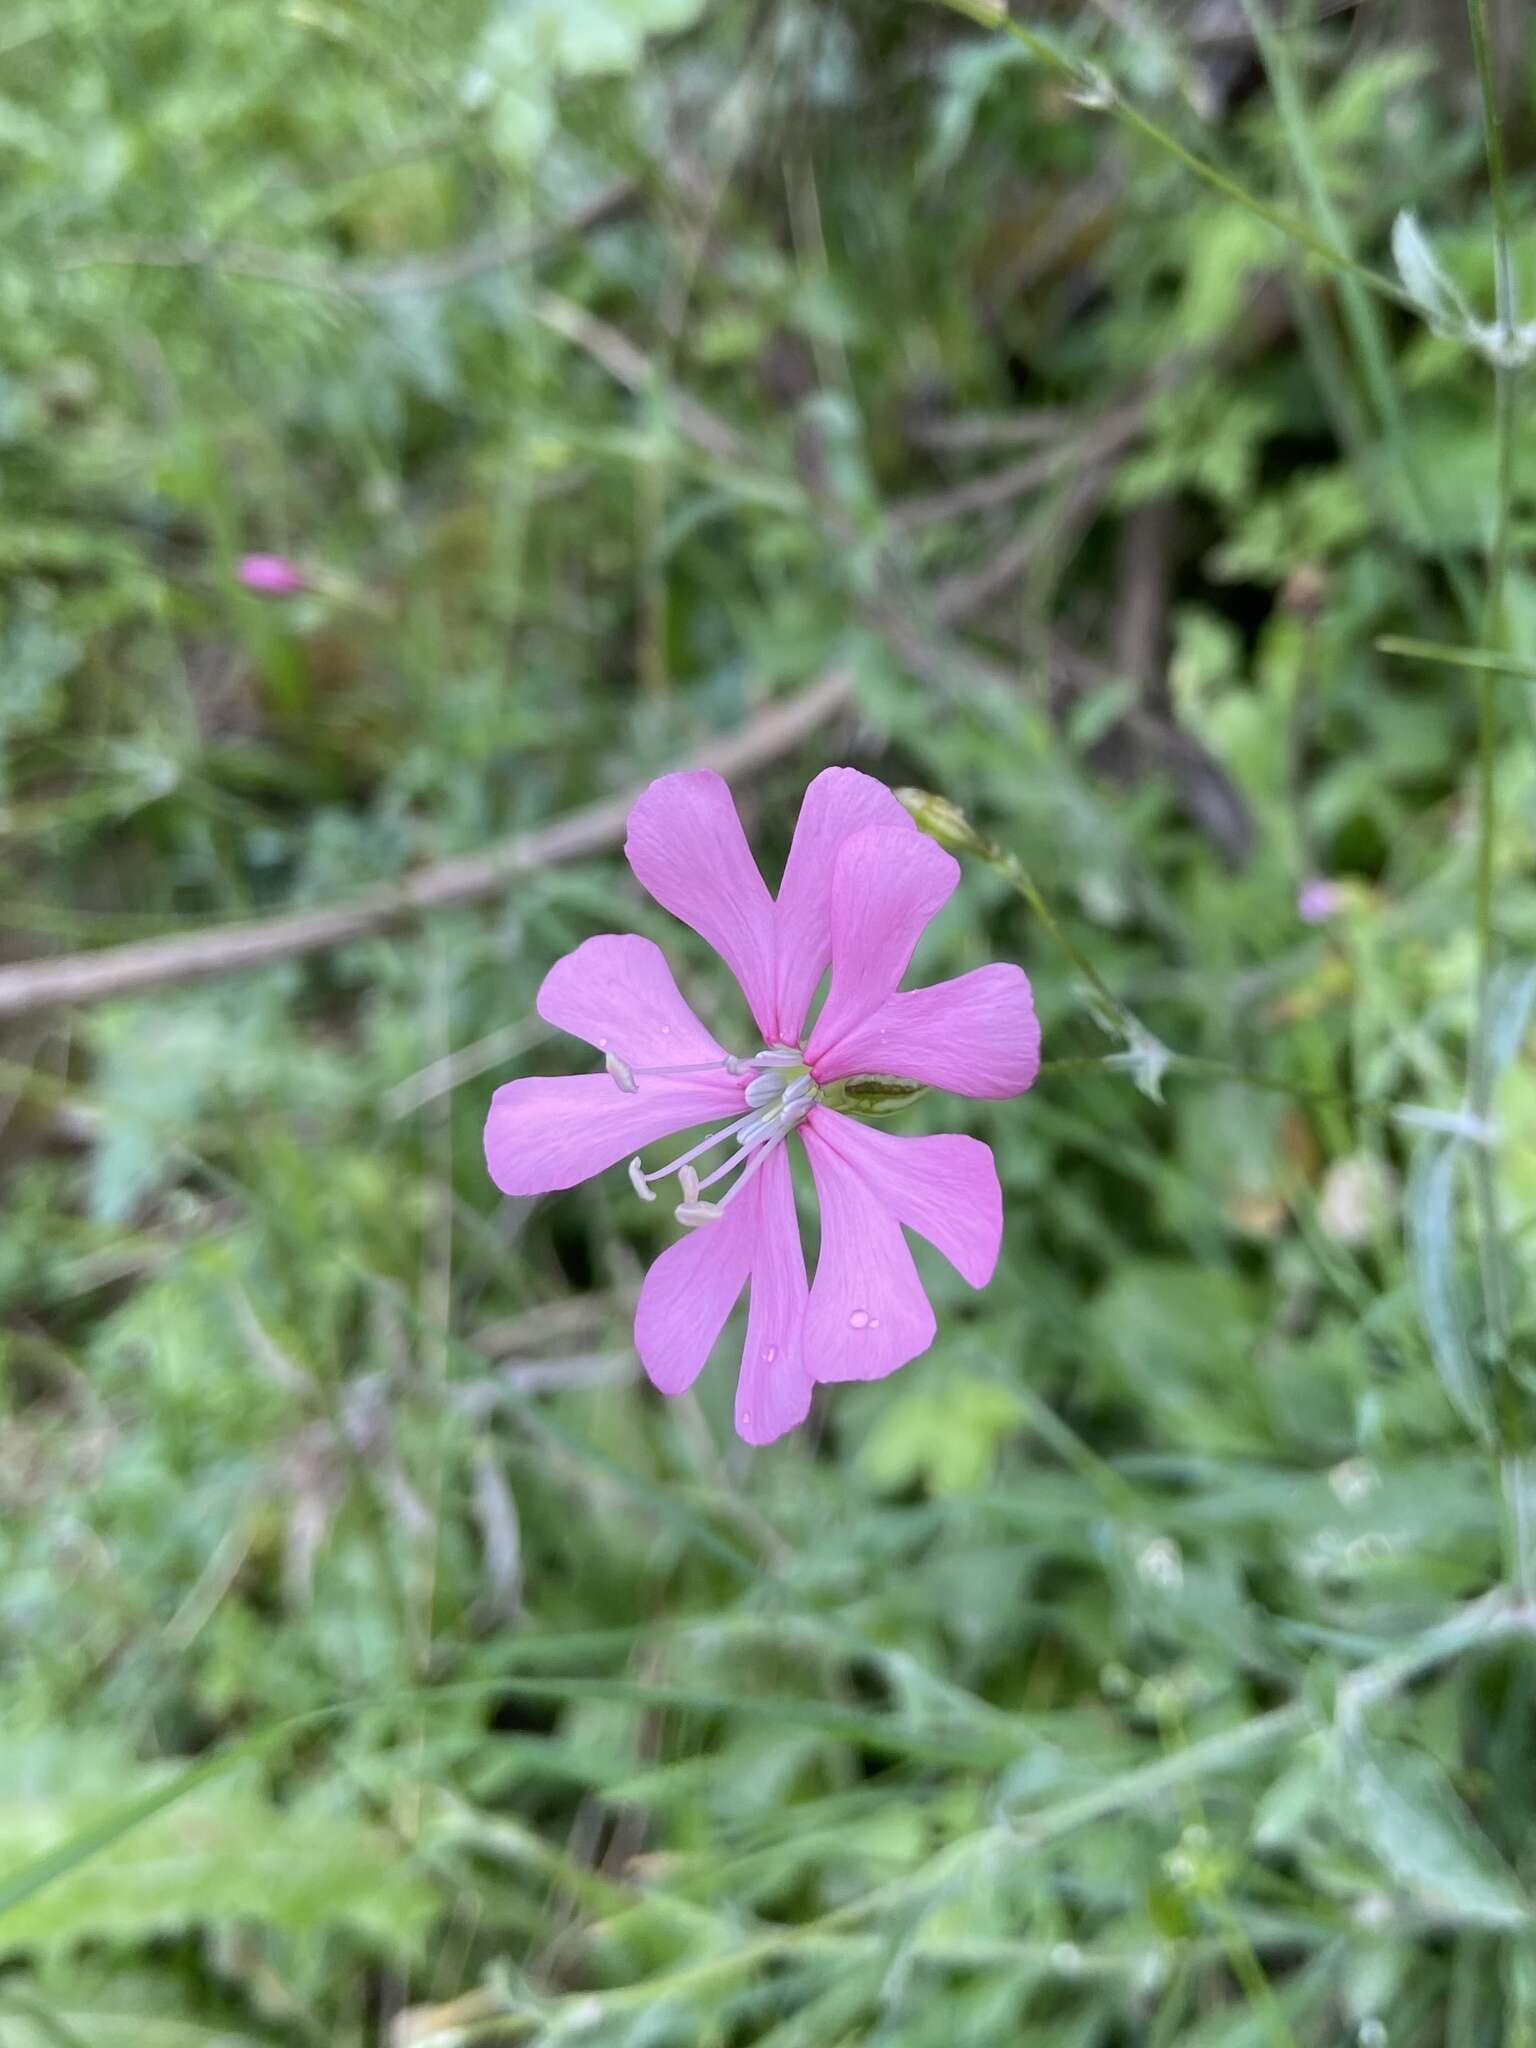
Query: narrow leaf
{"x":1437,"y":295}
{"x":1509,"y":1014}
{"x":1431,"y":1213}
{"x":1407,"y":1813}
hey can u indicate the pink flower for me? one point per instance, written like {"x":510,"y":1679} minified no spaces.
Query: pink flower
{"x":860,"y":886}
{"x":1319,"y":900}
{"x":271,"y":575}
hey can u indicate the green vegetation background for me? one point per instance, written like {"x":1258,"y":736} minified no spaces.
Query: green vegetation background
{"x":1132,"y":1669}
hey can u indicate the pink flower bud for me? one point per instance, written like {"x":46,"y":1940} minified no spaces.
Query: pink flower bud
{"x":271,"y":575}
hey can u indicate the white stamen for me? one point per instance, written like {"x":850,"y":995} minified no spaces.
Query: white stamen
{"x":690,"y":1067}
{"x":743,"y":1152}
{"x":622,"y":1072}
{"x":704,"y":1145}
{"x":779,"y":1094}
{"x":755,"y":1163}
{"x":759,"y":1126}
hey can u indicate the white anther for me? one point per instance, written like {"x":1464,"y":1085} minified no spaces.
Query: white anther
{"x":639,"y":1183}
{"x":758,"y":1126}
{"x":778,"y":1056}
{"x":735,"y":1064}
{"x":688,"y":1181}
{"x":693,"y":1213}
{"x":622,"y":1073}
{"x":801,"y":1089}
{"x":766,"y":1088}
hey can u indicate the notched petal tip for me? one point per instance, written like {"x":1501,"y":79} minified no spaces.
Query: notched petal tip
{"x":761,"y":1426}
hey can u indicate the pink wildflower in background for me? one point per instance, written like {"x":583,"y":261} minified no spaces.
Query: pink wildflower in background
{"x":860,"y":886}
{"x":271,"y":575}
{"x":1319,"y":900}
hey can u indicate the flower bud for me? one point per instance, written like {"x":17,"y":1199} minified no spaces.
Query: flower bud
{"x":271,"y":575}
{"x":941,"y":820}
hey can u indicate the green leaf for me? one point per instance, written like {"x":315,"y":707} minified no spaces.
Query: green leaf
{"x":947,"y":1436}
{"x":531,"y":46}
{"x":1406,"y":1812}
{"x":1431,"y":1214}
{"x":1509,"y":1014}
{"x":85,"y":1869}
{"x":1438,"y":295}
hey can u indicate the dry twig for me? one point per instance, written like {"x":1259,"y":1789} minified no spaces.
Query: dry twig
{"x":80,"y":978}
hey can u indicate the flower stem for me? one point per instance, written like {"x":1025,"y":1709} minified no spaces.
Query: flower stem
{"x":1514,"y":1475}
{"x":1483,"y":659}
{"x":1100,"y":91}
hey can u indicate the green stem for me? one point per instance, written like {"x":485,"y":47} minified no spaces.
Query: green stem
{"x":1490,"y":1247}
{"x":1366,"y":334}
{"x":1512,"y":1470}
{"x":1482,"y":659}
{"x":1146,"y":1055}
{"x":1227,"y":1070}
{"x":1100,"y":90}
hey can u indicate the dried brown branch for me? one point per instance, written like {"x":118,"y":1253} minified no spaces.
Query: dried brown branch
{"x":1096,"y":443}
{"x":913,"y":627}
{"x":80,"y":978}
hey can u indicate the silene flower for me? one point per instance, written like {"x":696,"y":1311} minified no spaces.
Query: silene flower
{"x":860,"y":886}
{"x":271,"y":575}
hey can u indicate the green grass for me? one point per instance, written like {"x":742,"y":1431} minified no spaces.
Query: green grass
{"x":383,"y":1662}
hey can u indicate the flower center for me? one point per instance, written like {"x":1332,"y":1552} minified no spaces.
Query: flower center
{"x":779,"y":1094}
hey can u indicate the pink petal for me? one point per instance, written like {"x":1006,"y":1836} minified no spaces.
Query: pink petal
{"x":975,"y":1035}
{"x":838,"y":803}
{"x":543,"y":1134}
{"x":944,"y":1188}
{"x":687,"y":848}
{"x":887,"y":887}
{"x":688,"y":1294}
{"x":773,"y":1393}
{"x":617,"y":992}
{"x":867,"y":1312}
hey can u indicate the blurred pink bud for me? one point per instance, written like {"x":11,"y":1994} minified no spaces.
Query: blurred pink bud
{"x":271,"y":575}
{"x":1319,"y":899}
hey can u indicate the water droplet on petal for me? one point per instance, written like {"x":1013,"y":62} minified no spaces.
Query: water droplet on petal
{"x":859,"y":1320}
{"x":770,"y":1353}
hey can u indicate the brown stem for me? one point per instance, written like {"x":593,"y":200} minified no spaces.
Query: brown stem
{"x":96,"y":977}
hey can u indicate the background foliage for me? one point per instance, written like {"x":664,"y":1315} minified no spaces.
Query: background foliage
{"x":383,"y":1661}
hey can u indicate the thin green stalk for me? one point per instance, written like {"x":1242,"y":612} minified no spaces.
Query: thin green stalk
{"x":1513,"y":1475}
{"x":1360,"y":315}
{"x":1146,"y":1057}
{"x":1482,"y":659}
{"x":1228,"y":1070}
{"x":1100,"y":91}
